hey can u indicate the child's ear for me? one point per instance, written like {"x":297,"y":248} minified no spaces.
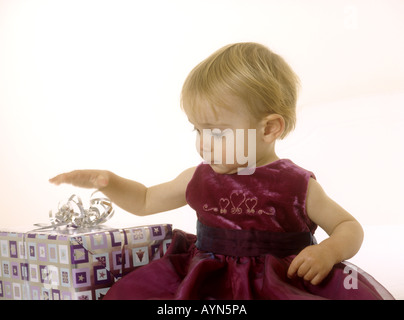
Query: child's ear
{"x":273,"y":127}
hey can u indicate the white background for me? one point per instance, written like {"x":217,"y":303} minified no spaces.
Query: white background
{"x":96,"y":84}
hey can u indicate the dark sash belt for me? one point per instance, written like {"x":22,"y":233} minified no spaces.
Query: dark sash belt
{"x":243,"y":243}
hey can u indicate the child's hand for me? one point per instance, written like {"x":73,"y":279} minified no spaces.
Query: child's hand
{"x":83,"y":178}
{"x":313,"y":264}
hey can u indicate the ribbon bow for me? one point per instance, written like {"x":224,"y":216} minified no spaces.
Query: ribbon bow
{"x":73,"y":214}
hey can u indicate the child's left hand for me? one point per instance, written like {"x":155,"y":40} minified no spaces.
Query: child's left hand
{"x":313,"y":264}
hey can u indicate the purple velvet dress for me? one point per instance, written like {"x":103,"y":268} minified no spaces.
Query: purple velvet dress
{"x":250,"y":227}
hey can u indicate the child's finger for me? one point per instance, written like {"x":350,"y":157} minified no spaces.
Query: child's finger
{"x":317,"y":279}
{"x":304,"y":270}
{"x":73,"y":177}
{"x":69,"y":177}
{"x":82,"y":178}
{"x":57,"y":179}
{"x":310,"y":275}
{"x":294,"y":266}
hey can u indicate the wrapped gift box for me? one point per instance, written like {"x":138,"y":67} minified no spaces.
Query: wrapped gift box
{"x":73,"y":264}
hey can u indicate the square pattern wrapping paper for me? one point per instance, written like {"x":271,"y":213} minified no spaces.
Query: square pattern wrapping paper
{"x":78,"y":265}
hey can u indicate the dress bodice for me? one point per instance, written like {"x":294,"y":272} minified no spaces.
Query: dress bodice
{"x":273,"y":198}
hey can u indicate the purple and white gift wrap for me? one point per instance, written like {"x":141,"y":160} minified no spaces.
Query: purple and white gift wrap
{"x":75,"y":264}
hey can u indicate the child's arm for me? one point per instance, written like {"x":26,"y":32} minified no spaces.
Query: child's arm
{"x":130,"y":195}
{"x":346,"y":235}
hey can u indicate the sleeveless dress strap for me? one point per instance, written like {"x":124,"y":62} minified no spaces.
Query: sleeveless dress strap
{"x":245,"y":243}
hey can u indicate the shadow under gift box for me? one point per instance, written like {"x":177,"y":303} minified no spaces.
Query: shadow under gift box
{"x":78,"y":264}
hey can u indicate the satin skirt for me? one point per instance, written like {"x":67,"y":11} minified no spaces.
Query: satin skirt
{"x":187,"y":272}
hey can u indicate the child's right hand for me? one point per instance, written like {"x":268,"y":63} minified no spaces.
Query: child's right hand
{"x":130,"y":195}
{"x":97,"y":179}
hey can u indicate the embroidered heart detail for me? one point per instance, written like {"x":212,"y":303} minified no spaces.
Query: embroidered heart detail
{"x":223,"y":203}
{"x":250,"y":203}
{"x":237,"y":198}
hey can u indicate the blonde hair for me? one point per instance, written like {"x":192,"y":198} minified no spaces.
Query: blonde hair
{"x":261,"y":79}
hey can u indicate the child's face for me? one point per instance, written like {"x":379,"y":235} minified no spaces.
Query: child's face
{"x":237,"y":149}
